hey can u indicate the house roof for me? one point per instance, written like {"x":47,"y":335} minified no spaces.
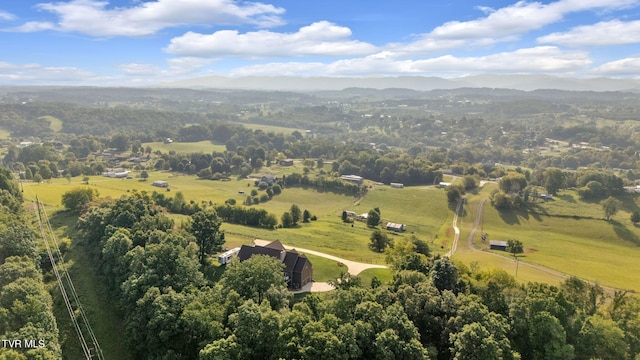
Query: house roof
{"x":277,"y":245}
{"x":293,"y":261}
{"x":248,"y":251}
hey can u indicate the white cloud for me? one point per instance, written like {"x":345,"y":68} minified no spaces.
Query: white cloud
{"x":96,"y":18}
{"x":6,"y":16}
{"x":40,"y":74}
{"x":623,"y":67}
{"x":321,"y":38}
{"x":543,"y":59}
{"x":504,"y":24}
{"x":614,"y":32}
{"x":137,"y":69}
{"x":186,"y":65}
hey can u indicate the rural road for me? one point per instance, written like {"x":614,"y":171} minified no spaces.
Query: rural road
{"x":456,"y":230}
{"x":353,"y":267}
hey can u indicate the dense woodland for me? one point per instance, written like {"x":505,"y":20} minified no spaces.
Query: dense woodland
{"x":25,"y":303}
{"x":172,"y":304}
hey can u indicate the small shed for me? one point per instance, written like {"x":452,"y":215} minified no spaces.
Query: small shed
{"x":396,"y":227}
{"x":397,"y":185}
{"x":443,"y":184}
{"x":498,"y":245}
{"x":286,"y":162}
{"x":227,"y":256}
{"x":160,"y":183}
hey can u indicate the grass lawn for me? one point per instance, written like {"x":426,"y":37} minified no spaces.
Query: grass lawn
{"x":186,"y":147}
{"x":384,"y":275}
{"x":4,"y":134}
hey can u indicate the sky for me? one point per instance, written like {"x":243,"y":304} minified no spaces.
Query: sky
{"x":135,"y":42}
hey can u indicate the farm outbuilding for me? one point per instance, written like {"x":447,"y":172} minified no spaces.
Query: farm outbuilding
{"x":396,"y":227}
{"x":397,"y":185}
{"x":498,"y":245}
{"x":160,"y":183}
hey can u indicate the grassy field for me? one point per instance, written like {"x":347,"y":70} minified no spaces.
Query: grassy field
{"x":271,"y":128}
{"x":186,"y":147}
{"x":587,"y":246}
{"x":54,"y":123}
{"x":4,"y":134}
{"x":328,"y":234}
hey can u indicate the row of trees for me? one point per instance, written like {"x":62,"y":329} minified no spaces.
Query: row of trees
{"x":26,"y":307}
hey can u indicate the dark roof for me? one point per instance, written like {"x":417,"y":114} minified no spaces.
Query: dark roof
{"x":301,"y":261}
{"x":293,"y":261}
{"x":276,"y":245}
{"x":248,"y":251}
{"x":290,"y":261}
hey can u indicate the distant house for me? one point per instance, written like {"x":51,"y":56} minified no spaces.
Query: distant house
{"x":24,"y":144}
{"x":116,"y":174}
{"x":396,"y":227}
{"x":286,"y":162}
{"x":443,"y":184}
{"x":227,"y":256}
{"x":498,"y":245}
{"x":352,"y":178}
{"x":546,"y":196}
{"x":397,"y":185}
{"x":160,"y":183}
{"x":298,"y":270}
{"x":269,"y":179}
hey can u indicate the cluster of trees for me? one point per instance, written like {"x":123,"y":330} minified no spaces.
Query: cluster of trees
{"x":26,"y":307}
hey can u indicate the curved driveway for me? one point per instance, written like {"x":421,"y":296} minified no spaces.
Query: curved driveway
{"x":353,"y":267}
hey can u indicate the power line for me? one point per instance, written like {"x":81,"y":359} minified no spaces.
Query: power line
{"x":90,"y":352}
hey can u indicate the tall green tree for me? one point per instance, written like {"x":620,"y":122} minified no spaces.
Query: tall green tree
{"x":373,"y":217}
{"x":256,"y":279}
{"x":610,"y":207}
{"x":554,"y":180}
{"x":76,"y":199}
{"x":296,"y":214}
{"x":379,"y":241}
{"x":205,"y":226}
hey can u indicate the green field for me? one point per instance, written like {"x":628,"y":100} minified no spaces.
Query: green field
{"x":328,"y":234}
{"x":4,"y":134}
{"x":54,"y":123}
{"x":186,"y":147}
{"x":602,"y":251}
{"x":271,"y":128}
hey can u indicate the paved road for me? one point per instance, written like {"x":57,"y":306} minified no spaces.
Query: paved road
{"x":353,"y":267}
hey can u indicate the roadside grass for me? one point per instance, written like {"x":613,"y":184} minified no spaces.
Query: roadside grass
{"x":591,"y":248}
{"x":205,"y":146}
{"x":104,"y":319}
{"x":54,"y":123}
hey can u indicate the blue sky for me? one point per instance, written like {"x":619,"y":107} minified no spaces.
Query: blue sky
{"x":134,"y":42}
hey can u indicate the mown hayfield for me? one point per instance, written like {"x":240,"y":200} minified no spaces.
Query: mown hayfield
{"x":591,"y":248}
{"x":187,"y":147}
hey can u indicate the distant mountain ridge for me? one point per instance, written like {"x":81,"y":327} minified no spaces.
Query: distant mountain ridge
{"x":418,"y":83}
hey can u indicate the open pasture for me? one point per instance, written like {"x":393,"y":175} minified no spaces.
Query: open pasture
{"x":424,"y":211}
{"x":186,"y":147}
{"x":591,"y":248}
